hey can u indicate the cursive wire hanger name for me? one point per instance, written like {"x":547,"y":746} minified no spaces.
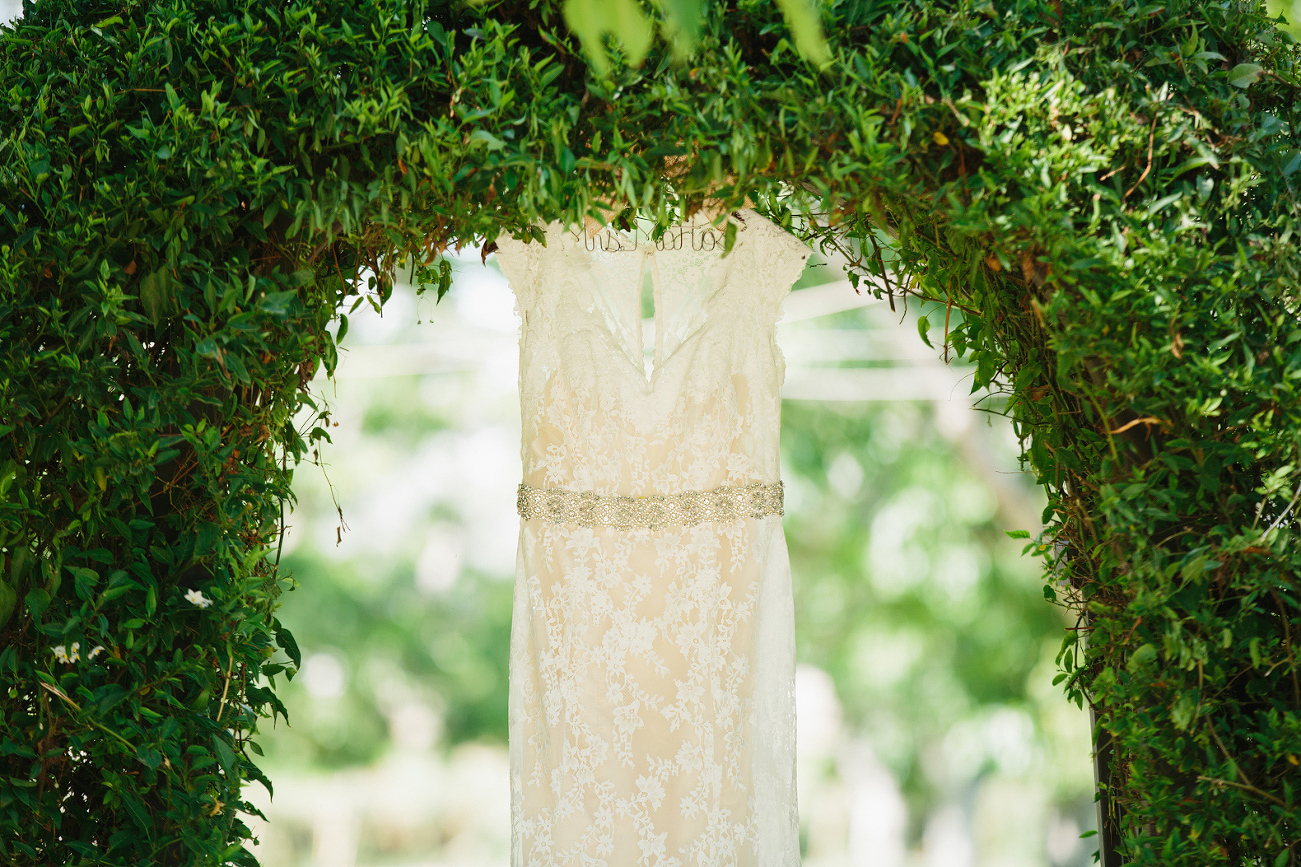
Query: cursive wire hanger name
{"x":699,"y":238}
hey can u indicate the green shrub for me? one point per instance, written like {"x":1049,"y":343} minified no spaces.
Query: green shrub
{"x":1106,"y":192}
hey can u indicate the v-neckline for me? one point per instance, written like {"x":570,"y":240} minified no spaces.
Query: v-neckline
{"x":636,"y":361}
{"x":647,"y":382}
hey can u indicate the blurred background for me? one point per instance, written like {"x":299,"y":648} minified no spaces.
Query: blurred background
{"x":929,"y":731}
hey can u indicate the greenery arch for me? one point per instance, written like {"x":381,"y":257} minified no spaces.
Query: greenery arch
{"x":1107,"y":190}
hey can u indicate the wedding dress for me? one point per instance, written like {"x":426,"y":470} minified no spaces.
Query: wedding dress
{"x":651,"y":710}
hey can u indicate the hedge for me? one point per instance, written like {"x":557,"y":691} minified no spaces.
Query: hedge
{"x":1103,"y":195}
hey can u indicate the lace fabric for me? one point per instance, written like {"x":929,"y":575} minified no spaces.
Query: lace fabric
{"x":652,"y":667}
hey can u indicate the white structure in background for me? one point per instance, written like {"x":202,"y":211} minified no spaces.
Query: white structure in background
{"x":488,"y":337}
{"x":858,"y":816}
{"x":466,"y":355}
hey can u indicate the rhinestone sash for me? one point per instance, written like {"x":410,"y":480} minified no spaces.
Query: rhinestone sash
{"x":653,"y":512}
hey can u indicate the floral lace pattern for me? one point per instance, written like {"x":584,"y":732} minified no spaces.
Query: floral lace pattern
{"x":652,"y":669}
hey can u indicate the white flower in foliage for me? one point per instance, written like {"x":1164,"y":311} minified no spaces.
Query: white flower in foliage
{"x":197,"y":598}
{"x":62,"y":655}
{"x":96,"y":651}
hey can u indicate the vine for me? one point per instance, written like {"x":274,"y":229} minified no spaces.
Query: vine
{"x":1102,"y":196}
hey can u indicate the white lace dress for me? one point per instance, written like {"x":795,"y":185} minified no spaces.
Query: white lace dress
{"x":652,"y":715}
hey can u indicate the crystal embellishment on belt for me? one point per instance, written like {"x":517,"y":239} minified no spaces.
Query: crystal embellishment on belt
{"x":653,"y":512}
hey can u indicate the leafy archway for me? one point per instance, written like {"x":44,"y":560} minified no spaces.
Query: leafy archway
{"x":1104,"y":194}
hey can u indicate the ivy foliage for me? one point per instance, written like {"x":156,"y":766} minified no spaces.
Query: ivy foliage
{"x":1104,"y":196}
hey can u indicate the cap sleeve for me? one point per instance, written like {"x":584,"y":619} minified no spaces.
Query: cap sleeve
{"x":518,"y":261}
{"x":780,"y":257}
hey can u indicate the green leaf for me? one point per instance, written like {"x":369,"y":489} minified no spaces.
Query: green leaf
{"x":494,"y":143}
{"x":8,"y":601}
{"x":286,"y":640}
{"x":1245,"y":74}
{"x":591,"y":20}
{"x":806,"y":28}
{"x":683,"y":18}
{"x":277,"y":303}
{"x":1185,"y":708}
{"x":8,"y":472}
{"x":986,"y":368}
{"x":136,"y":809}
{"x":438,"y":275}
{"x":84,"y":580}
{"x":924,"y":326}
{"x":1162,"y":202}
{"x":226,"y":756}
{"x":729,"y":237}
{"x":156,"y":295}
{"x":37,"y":599}
{"x":109,"y":696}
{"x":20,"y":561}
{"x":1143,"y":656}
{"x":149,"y":756}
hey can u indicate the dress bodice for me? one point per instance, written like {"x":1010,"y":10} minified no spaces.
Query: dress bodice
{"x":652,"y":704}
{"x":707,"y":413}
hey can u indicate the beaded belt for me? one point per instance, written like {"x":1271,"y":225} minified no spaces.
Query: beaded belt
{"x":653,"y":512}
